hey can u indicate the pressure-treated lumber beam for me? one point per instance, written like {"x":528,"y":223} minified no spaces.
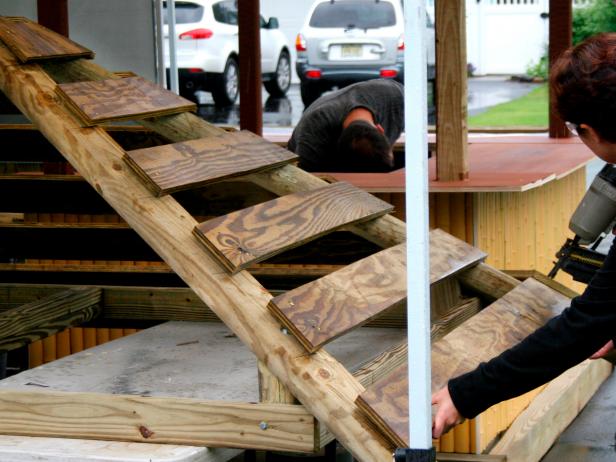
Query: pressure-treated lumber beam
{"x":534,"y":431}
{"x":185,"y":421}
{"x":322,"y":384}
{"x":36,"y":320}
{"x":560,"y":38}
{"x":53,"y":14}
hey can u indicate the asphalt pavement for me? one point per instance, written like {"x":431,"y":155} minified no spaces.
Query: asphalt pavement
{"x":483,"y":92}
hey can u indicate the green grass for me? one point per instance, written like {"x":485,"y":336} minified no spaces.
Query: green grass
{"x":528,"y":110}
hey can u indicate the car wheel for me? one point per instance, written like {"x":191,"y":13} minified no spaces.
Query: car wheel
{"x":279,"y":85}
{"x":310,"y":92}
{"x":226,"y":86}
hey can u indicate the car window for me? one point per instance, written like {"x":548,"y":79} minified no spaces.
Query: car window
{"x":226,"y":12}
{"x":185,"y":12}
{"x":354,"y":13}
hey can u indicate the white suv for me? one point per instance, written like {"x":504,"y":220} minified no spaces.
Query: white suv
{"x":347,"y":41}
{"x":207,"y":51}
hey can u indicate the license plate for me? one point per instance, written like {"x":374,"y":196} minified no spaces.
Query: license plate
{"x":351,"y":51}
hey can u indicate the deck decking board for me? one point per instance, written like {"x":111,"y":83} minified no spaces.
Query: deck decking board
{"x":175,"y":167}
{"x":130,"y":98}
{"x":248,"y":236}
{"x":30,"y":41}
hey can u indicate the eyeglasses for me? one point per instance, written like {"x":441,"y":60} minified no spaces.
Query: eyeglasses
{"x":573,"y":128}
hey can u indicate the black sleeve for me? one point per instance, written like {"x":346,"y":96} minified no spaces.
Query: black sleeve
{"x":566,"y":340}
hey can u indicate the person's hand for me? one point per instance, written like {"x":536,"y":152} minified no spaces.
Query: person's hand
{"x":446,"y":413}
{"x":605,"y":349}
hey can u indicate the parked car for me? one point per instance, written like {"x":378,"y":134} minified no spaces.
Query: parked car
{"x":207,"y":51}
{"x":347,"y":41}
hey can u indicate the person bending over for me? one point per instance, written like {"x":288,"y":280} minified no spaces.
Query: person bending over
{"x":584,"y":84}
{"x":352,"y":129}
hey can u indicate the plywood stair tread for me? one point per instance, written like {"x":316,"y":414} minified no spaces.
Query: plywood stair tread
{"x":175,"y":167}
{"x":248,"y":236}
{"x":320,"y":311}
{"x":121,"y":99}
{"x":495,"y":329}
{"x":30,"y":41}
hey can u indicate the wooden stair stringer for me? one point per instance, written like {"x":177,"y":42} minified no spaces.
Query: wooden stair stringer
{"x":238,"y":300}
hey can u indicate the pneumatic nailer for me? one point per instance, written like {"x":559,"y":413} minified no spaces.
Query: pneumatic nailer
{"x":593,"y":219}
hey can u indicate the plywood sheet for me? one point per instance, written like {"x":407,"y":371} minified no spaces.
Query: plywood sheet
{"x":493,"y":330}
{"x":174,"y":167}
{"x":30,"y":41}
{"x":251,"y":235}
{"x":322,"y":310}
{"x":121,"y":99}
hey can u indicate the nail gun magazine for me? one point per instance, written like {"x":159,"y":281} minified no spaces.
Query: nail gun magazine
{"x":594,"y":218}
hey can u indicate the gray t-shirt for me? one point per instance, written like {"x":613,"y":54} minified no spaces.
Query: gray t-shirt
{"x":316,"y":135}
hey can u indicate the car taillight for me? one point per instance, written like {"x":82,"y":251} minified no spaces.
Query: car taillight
{"x":401,"y":43}
{"x":313,"y":74}
{"x":195,"y":70}
{"x":300,"y":43}
{"x":196,"y":34}
{"x":388,"y":73}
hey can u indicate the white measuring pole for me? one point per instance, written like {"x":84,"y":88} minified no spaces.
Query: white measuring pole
{"x":173,"y":62}
{"x":417,"y":257}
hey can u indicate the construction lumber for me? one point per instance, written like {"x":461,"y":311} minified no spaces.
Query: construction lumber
{"x":175,"y":167}
{"x":248,"y":236}
{"x":446,"y":457}
{"x":320,"y":311}
{"x":39,"y":319}
{"x":114,"y":100}
{"x":449,"y":255}
{"x":451,"y":91}
{"x":454,"y":318}
{"x":30,"y":41}
{"x":488,"y":281}
{"x":493,"y":330}
{"x":158,"y":420}
{"x":535,"y":430}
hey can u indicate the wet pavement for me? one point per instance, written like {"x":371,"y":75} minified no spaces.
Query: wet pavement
{"x":483,"y":92}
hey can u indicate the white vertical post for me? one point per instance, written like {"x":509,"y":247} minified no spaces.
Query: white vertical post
{"x":161,"y":78}
{"x":173,"y":63}
{"x":418,"y":265}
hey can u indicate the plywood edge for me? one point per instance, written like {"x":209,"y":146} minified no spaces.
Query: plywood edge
{"x":184,"y":421}
{"x":539,"y":425}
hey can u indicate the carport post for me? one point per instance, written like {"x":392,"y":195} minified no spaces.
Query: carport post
{"x":418,"y":304}
{"x":173,"y":63}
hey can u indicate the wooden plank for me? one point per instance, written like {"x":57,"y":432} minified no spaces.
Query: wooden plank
{"x":493,"y":330}
{"x":451,"y":91}
{"x":121,"y":99}
{"x":488,"y":281}
{"x":33,"y":321}
{"x":318,"y":312}
{"x":30,"y":41}
{"x":279,"y":427}
{"x":254,"y":234}
{"x":443,"y":457}
{"x":175,"y":167}
{"x":534,"y":431}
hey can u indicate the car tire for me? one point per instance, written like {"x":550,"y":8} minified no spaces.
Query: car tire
{"x":310,"y":92}
{"x":226,"y":85}
{"x":280,"y":83}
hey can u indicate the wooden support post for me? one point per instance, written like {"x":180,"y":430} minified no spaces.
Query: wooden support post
{"x":272,"y":390}
{"x":33,"y":321}
{"x":451,"y":91}
{"x":561,"y":19}
{"x":53,"y":14}
{"x":251,"y":113}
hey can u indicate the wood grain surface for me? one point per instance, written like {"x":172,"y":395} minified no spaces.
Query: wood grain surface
{"x":174,"y":167}
{"x":30,"y":41}
{"x":495,"y":329}
{"x":121,"y":99}
{"x":322,"y":310}
{"x":245,"y":237}
{"x":186,"y":421}
{"x":41,"y":318}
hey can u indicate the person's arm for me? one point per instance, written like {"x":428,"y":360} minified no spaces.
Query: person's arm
{"x":563,"y":342}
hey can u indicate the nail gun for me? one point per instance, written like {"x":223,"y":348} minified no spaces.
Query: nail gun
{"x":594,"y":218}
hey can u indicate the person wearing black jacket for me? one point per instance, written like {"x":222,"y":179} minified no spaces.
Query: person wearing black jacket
{"x":584,"y":84}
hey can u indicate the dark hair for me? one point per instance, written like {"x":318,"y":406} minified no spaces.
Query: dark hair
{"x":583,"y":81}
{"x":363,"y":148}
